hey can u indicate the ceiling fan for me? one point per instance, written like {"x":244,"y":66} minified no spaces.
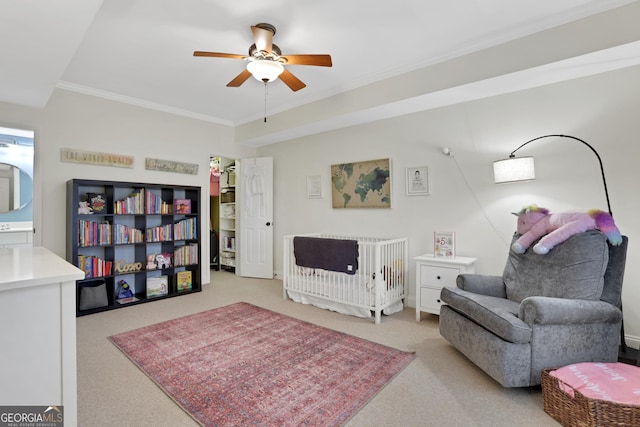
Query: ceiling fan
{"x":266,"y":62}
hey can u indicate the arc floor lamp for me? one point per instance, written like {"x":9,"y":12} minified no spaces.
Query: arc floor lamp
{"x":515,"y":169}
{"x":522,"y":168}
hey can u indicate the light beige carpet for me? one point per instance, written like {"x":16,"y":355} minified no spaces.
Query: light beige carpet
{"x":439,"y":388}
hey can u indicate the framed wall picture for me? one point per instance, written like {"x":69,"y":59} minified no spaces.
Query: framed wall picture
{"x":418,"y":181}
{"x":364,"y":184}
{"x":314,"y":187}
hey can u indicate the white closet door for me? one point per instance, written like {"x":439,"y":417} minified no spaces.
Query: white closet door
{"x":256,"y":217}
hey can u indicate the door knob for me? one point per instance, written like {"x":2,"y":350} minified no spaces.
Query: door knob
{"x":268,"y":224}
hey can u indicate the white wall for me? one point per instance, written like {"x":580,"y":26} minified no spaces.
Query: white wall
{"x":602,"y":110}
{"x":72,"y":120}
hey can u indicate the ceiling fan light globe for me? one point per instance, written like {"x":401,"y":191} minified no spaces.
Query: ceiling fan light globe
{"x":264,"y":70}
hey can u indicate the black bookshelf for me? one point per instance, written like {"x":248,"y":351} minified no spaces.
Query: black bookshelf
{"x":132,"y":234}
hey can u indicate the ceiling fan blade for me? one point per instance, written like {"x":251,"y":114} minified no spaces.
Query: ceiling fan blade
{"x":239,"y":79}
{"x":320,"y":60}
{"x":294,"y":83}
{"x":263,"y":38}
{"x":219,"y":55}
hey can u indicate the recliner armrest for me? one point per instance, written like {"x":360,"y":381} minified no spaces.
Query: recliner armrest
{"x":561,"y":311}
{"x":482,"y":284}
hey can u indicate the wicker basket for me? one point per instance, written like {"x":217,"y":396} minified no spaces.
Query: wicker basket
{"x":581,"y":411}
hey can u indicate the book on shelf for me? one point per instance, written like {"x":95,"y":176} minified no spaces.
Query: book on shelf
{"x":94,"y":266}
{"x":444,"y":244}
{"x":97,"y":202}
{"x":230,"y":243}
{"x":157,"y":286}
{"x":185,"y":229}
{"x":161,"y":233}
{"x":123,"y":234}
{"x":133,"y":204}
{"x":91,"y":233}
{"x":183,"y":281}
{"x":155,"y":205}
{"x":182,"y":206}
{"x":185,"y":255}
{"x":127,"y":300}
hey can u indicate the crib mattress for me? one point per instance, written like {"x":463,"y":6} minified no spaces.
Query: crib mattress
{"x":341,"y":307}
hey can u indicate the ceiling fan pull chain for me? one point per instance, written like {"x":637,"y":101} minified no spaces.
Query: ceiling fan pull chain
{"x":265,"y":101}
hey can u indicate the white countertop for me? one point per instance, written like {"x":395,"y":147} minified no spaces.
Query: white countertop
{"x":28,"y":267}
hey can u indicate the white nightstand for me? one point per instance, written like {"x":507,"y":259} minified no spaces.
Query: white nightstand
{"x":432,"y":274}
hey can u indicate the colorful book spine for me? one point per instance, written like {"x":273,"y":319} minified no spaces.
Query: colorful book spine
{"x":94,"y":266}
{"x":186,"y":255}
{"x":131,"y":205}
{"x":186,"y":229}
{"x":154,"y":204}
{"x":91,"y":233}
{"x":163,"y":233}
{"x":123,"y":234}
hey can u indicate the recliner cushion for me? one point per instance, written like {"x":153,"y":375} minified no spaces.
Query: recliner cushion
{"x":573,"y":269}
{"x":497,"y":315}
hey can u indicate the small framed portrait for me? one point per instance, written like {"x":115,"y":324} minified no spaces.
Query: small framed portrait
{"x":314,"y":187}
{"x":418,"y":181}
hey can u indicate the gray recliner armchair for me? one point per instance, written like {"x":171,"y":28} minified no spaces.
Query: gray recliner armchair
{"x":546,"y":311}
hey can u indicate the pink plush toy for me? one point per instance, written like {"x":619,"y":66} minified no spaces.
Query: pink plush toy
{"x":534,"y":222}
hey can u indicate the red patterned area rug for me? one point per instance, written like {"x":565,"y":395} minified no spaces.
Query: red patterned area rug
{"x":244,"y":365}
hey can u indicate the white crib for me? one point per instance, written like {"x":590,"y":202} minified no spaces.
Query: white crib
{"x":379,"y":285}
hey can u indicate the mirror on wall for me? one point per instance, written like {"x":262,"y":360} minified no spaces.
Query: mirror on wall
{"x":16,"y":175}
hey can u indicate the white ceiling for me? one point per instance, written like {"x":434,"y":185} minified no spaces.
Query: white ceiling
{"x":141,"y":51}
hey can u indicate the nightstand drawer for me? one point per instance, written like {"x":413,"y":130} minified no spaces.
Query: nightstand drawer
{"x":430,"y":299}
{"x":433,"y":274}
{"x":438,"y":277}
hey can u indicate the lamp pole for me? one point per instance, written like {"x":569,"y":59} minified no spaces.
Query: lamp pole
{"x":604,"y":180}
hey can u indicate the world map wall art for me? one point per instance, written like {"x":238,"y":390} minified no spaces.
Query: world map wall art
{"x":361,"y":184}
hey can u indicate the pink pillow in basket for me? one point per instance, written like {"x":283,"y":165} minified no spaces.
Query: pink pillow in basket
{"x":616,"y":382}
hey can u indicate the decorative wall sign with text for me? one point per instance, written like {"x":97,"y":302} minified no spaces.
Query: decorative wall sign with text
{"x":69,"y":155}
{"x":170,"y":166}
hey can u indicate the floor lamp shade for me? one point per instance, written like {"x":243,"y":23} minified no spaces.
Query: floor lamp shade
{"x":514,"y":169}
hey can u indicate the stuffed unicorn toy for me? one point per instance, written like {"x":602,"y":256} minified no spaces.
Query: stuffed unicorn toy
{"x":534,"y":222}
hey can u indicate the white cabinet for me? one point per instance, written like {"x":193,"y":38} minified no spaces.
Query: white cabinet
{"x":38,"y":330}
{"x":16,"y":234}
{"x":432,"y":274}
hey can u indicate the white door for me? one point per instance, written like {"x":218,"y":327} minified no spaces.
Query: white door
{"x":256,"y":217}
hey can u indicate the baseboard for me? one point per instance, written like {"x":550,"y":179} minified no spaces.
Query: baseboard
{"x":632,"y":341}
{"x":630,"y":356}
{"x":411,"y":301}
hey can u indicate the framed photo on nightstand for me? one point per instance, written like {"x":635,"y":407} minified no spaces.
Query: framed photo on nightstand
{"x":444,"y":244}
